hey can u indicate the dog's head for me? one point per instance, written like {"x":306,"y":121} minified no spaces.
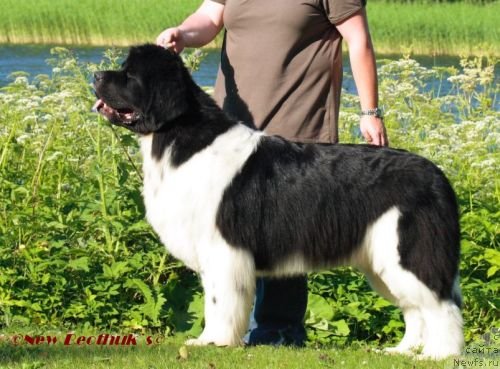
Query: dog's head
{"x":148,"y":91}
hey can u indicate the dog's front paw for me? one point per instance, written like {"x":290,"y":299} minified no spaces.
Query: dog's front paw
{"x":403,"y":350}
{"x":205,"y":340}
{"x":197,"y":342}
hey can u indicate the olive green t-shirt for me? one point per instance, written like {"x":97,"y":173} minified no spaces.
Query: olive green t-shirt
{"x":281,"y":65}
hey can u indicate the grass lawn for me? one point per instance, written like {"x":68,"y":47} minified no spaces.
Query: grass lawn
{"x":172,"y":354}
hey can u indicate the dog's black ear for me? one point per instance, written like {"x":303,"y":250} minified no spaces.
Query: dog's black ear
{"x":170,"y":95}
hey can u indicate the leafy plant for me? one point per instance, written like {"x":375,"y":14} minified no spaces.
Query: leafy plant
{"x":75,"y":250}
{"x":461,"y":133}
{"x":74,"y":246}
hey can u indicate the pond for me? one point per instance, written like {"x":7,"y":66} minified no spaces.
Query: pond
{"x":32,"y":59}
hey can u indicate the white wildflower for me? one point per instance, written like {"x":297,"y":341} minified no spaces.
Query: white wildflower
{"x":55,"y":156}
{"x":29,"y":118}
{"x":23,"y":138}
{"x":47,"y":117}
{"x":21,"y":80}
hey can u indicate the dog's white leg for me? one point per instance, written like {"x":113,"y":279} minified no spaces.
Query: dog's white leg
{"x":228,"y":277}
{"x":430,"y":322}
{"x":414,"y":332}
{"x":414,"y":322}
{"x":444,"y":335}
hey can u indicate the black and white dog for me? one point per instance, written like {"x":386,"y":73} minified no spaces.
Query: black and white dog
{"x":233,"y":203}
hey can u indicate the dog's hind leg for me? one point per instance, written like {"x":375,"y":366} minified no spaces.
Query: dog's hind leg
{"x":228,"y":278}
{"x":379,"y":261}
{"x":444,"y":327}
{"x":414,"y":321}
{"x":413,"y":338}
{"x":431,"y":322}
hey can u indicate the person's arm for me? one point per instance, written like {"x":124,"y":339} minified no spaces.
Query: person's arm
{"x":197,"y":30}
{"x":355,"y":31}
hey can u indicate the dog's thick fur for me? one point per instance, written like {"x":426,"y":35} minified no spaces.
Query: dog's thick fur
{"x":233,"y":203}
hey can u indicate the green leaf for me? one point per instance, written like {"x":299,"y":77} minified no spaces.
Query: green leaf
{"x":381,"y":303}
{"x":79,"y":264}
{"x":115,"y":270}
{"x":492,"y":256}
{"x":319,"y":307}
{"x":190,"y":320}
{"x":141,"y":286}
{"x":492,"y":271}
{"x":152,"y":306}
{"x":341,"y":327}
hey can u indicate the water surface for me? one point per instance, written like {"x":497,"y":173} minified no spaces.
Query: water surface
{"x":32,"y":59}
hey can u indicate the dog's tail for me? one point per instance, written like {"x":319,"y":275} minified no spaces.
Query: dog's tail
{"x":429,"y":237}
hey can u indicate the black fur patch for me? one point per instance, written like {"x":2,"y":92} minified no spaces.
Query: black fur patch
{"x":154,"y":82}
{"x":314,"y":201}
{"x":317,"y":201}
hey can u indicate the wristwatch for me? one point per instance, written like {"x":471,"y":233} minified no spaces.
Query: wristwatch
{"x":375,"y":112}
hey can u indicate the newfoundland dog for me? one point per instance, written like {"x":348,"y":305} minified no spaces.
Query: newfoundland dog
{"x":234,"y":203}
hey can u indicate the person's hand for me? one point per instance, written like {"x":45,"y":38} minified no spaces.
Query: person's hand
{"x":373,"y":130}
{"x":171,"y":39}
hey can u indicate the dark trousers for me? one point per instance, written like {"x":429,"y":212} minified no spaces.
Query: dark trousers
{"x":280,"y":306}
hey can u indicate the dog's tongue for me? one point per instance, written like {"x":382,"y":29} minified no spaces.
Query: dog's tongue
{"x":124,"y":115}
{"x":98,"y":104}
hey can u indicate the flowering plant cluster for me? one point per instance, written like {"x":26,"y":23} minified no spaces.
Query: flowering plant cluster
{"x":75,"y":250}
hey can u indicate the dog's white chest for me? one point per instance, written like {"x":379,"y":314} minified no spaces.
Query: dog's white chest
{"x":182,"y":202}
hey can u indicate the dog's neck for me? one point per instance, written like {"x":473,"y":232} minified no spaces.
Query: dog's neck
{"x":191,"y":131}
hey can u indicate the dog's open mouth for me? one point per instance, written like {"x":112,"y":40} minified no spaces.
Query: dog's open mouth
{"x":119,"y":115}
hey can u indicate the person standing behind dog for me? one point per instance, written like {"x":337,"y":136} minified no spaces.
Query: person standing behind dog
{"x":281,"y":71}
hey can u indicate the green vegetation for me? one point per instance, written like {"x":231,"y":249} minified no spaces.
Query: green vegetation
{"x":420,"y":27}
{"x":89,"y":22}
{"x":76,"y":252}
{"x":424,"y":27}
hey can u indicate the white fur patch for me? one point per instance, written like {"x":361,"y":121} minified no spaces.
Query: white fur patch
{"x":431,"y":323}
{"x":291,"y":266}
{"x":228,"y":277}
{"x":181,"y":203}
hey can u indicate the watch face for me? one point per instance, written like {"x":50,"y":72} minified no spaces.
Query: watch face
{"x":376,"y":112}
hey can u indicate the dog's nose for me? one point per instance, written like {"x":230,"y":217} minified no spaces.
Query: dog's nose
{"x":98,"y":76}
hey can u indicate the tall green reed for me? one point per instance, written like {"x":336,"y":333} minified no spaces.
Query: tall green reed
{"x":419,"y":27}
{"x":88,"y":22}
